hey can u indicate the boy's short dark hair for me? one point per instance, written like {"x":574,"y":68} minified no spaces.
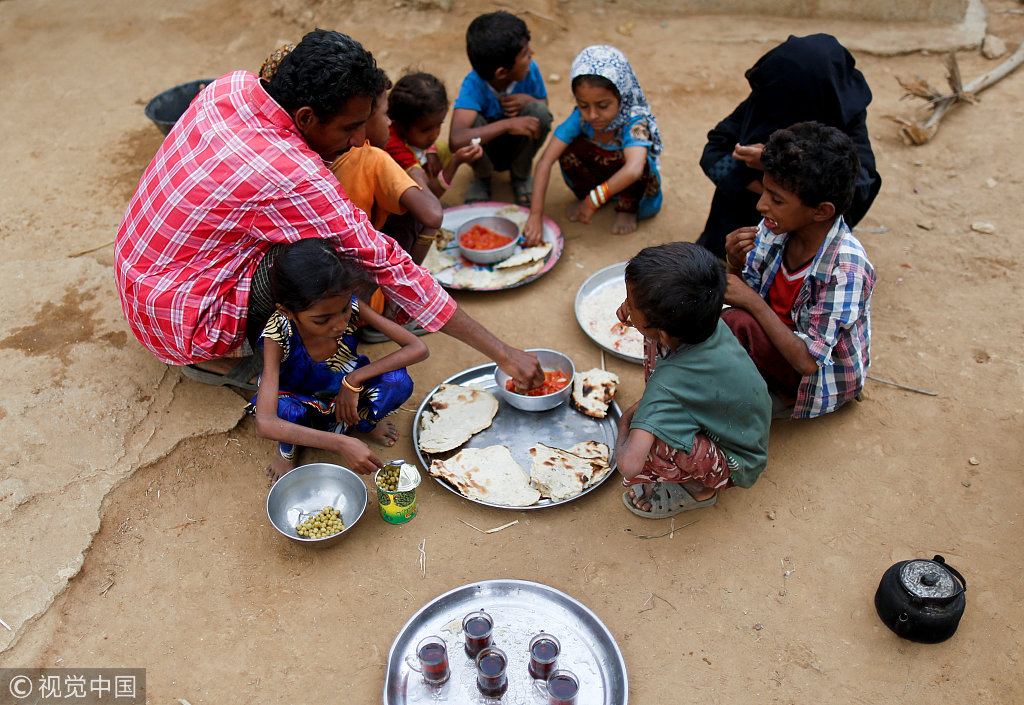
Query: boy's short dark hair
{"x":494,"y":40}
{"x":416,"y":95}
{"x":679,"y":288}
{"x":324,"y":71}
{"x":817,"y":162}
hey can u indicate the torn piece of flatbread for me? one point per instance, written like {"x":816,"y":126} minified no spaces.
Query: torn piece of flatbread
{"x":474,"y":278}
{"x":559,"y":474}
{"x":490,"y":474}
{"x":436,"y":261}
{"x":515,"y":213}
{"x":530,"y":254}
{"x":594,"y":450}
{"x":456,"y":414}
{"x":593,"y":391}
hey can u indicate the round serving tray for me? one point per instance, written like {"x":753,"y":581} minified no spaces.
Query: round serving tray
{"x":516,"y":429}
{"x":457,"y":215}
{"x":520,"y":609}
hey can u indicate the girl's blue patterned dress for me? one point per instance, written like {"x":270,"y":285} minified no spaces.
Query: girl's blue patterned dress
{"x":307,"y":390}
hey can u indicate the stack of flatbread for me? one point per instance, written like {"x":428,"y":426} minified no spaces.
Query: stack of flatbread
{"x":593,"y":391}
{"x":489,"y":474}
{"x":560,"y":474}
{"x":457,"y":413}
{"x":505,"y":273}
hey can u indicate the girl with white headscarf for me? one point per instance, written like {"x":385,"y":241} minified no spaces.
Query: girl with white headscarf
{"x":608,"y":148}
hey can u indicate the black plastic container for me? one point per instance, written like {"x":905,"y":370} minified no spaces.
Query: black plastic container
{"x":165,"y":109}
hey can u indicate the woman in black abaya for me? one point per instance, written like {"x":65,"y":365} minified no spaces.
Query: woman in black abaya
{"x":802,"y":79}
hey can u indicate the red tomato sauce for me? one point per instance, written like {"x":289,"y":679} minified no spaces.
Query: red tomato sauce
{"x":553,"y":382}
{"x":480,"y":238}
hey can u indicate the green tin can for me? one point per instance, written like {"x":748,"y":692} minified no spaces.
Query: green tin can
{"x":399,"y":505}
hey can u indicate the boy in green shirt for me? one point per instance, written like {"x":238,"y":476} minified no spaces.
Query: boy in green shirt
{"x":702,"y":422}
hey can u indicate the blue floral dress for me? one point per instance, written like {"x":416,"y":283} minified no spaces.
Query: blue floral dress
{"x":308,"y":390}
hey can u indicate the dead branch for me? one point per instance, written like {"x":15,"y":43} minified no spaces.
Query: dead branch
{"x":916,"y":132}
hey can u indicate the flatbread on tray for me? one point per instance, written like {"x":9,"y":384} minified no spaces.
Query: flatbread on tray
{"x":480,"y":278}
{"x":436,"y":261}
{"x":489,"y":474}
{"x":560,"y":474}
{"x":456,"y":414}
{"x":593,"y":391}
{"x":530,"y":254}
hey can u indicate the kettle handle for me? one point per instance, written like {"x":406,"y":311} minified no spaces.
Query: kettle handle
{"x":963,"y":582}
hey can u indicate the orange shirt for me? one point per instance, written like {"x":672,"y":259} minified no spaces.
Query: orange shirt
{"x":373,"y":181}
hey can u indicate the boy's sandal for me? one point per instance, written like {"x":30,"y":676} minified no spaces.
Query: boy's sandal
{"x":522,"y":191}
{"x":479,"y":190}
{"x":239,"y":376}
{"x":369,"y":334}
{"x":667,"y":499}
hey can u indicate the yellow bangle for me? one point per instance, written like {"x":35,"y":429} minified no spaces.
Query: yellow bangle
{"x":349,"y":387}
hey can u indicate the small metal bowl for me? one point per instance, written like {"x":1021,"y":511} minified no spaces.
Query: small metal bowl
{"x":549,"y":360}
{"x":306,"y":490}
{"x":502,"y":226}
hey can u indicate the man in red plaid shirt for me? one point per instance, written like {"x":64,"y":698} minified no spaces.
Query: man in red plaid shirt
{"x":245,"y":169}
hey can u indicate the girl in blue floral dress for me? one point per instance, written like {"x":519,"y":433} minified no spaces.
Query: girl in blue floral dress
{"x":608,"y":148}
{"x":315,"y":387}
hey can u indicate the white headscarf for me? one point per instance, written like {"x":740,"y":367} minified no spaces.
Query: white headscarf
{"x":608,"y":62}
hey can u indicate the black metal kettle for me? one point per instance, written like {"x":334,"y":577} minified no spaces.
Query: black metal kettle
{"x":922,"y":600}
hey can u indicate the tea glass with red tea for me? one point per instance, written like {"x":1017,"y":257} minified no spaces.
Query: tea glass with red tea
{"x":561,"y":687}
{"x":544,"y":650}
{"x":431,"y":660}
{"x":477,"y":627}
{"x":491,"y":664}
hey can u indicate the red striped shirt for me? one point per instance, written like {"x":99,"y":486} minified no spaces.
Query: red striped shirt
{"x":233,"y":178}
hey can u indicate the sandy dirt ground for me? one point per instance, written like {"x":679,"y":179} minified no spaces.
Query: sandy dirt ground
{"x":132,"y":518}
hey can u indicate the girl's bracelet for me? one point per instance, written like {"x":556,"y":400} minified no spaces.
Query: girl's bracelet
{"x":728,"y":261}
{"x":598,"y":196}
{"x":445,"y":184}
{"x":349,"y":387}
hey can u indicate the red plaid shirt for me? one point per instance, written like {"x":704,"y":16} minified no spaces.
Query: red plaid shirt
{"x":233,"y":178}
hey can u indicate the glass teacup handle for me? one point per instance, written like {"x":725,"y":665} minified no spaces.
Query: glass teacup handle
{"x":413,"y":663}
{"x":541,"y":686}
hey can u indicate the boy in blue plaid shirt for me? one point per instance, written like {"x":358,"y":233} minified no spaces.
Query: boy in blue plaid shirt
{"x":800,"y":283}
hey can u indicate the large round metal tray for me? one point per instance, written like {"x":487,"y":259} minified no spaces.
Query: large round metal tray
{"x":516,"y":429}
{"x":457,"y":215}
{"x":611,"y":276}
{"x":520,"y":609}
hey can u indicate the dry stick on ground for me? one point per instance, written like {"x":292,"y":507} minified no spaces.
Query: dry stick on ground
{"x":940,"y":103}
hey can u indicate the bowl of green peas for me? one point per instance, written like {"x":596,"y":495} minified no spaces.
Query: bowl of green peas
{"x":316,"y":503}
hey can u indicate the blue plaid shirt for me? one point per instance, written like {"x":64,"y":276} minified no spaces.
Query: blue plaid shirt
{"x":832,"y":313}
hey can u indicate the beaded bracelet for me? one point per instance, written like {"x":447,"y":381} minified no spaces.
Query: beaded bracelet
{"x":598,"y":195}
{"x":346,"y":385}
{"x":445,"y":184}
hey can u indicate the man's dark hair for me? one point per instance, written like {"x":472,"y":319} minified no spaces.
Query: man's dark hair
{"x":324,"y":72}
{"x":494,"y":40}
{"x":416,"y":95}
{"x":679,"y":288}
{"x":816,"y":162}
{"x":311,"y":269}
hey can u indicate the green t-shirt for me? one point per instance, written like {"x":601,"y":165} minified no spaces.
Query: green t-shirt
{"x":712,"y":387}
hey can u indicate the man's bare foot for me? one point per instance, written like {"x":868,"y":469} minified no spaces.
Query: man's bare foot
{"x":624,"y":224}
{"x":570,"y":211}
{"x":384,"y":433}
{"x":278,"y":466}
{"x":223,"y":365}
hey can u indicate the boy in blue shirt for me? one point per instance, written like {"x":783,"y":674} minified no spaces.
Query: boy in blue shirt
{"x":503,"y":103}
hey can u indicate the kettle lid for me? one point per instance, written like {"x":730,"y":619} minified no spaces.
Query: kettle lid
{"x":928,"y":579}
